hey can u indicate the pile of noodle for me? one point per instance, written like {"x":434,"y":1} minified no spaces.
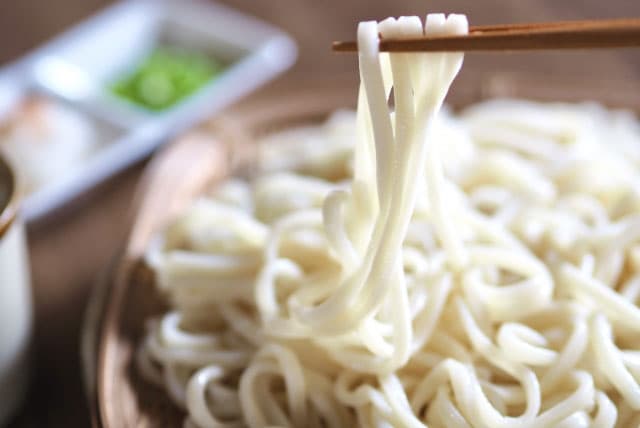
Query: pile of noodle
{"x":417,"y":268}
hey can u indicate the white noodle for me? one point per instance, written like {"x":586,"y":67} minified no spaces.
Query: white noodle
{"x":479,"y":270}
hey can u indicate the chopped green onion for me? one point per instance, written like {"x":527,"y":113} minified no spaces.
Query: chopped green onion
{"x":166,"y":77}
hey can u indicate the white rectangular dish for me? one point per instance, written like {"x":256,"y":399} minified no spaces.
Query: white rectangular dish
{"x":77,"y":67}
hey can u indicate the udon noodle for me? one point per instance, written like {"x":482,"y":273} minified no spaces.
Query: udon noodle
{"x":419,"y":268}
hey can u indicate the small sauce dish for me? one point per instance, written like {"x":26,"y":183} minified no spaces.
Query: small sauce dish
{"x":16,"y":315}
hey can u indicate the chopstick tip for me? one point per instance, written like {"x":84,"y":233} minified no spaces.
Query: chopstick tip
{"x":342,"y":46}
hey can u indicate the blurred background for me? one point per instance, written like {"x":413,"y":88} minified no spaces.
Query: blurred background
{"x":70,"y":252}
{"x":314,"y":24}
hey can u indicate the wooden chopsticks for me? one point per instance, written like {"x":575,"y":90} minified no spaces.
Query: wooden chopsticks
{"x":606,"y":33}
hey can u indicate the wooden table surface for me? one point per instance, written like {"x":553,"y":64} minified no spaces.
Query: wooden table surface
{"x":70,"y":250}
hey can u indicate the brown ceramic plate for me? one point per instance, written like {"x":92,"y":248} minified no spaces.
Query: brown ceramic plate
{"x":126,"y":298}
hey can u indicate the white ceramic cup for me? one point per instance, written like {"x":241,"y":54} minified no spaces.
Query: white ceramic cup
{"x":15,"y":299}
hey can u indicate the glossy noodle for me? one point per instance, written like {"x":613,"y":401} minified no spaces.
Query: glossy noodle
{"x":419,"y":269}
